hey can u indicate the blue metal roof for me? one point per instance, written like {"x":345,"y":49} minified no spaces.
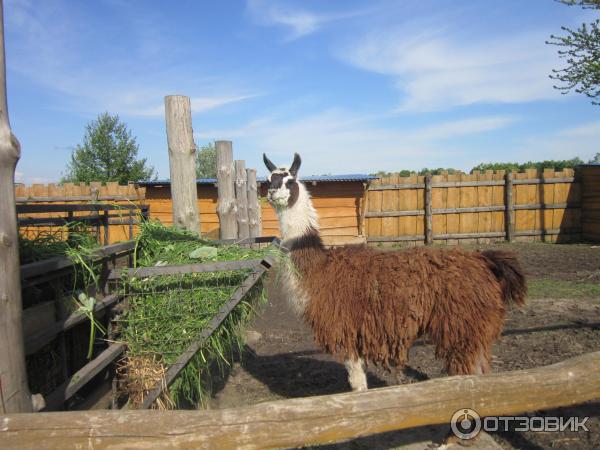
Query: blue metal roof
{"x":310,"y":178}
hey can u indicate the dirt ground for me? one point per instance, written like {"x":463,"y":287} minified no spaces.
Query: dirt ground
{"x":281,"y":360}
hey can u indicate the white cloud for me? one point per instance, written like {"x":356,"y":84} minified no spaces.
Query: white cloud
{"x":298,"y":22}
{"x":50,"y":45}
{"x":435,"y":70}
{"x":335,"y":141}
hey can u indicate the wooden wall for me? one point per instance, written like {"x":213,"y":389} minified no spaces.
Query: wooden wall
{"x":71,"y":193}
{"x":337,"y":203}
{"x":472,"y":207}
{"x":590,"y":220}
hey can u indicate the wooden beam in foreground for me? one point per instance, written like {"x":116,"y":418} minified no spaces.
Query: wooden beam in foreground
{"x":311,"y":420}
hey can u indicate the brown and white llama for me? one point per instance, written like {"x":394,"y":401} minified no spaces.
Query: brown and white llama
{"x":369,"y":305}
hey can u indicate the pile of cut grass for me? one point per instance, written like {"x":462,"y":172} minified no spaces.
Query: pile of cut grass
{"x":167,"y":313}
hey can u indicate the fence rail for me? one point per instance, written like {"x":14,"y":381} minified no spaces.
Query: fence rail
{"x":486,"y":205}
{"x":312,"y":420}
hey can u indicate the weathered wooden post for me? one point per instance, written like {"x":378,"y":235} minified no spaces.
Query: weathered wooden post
{"x":241,"y":198}
{"x":14,"y":392}
{"x":254,"y":211}
{"x":226,"y":207}
{"x":428,"y":211}
{"x":182,"y":162}
{"x":509,"y":214}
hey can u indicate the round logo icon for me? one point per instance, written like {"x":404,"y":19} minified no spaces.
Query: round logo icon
{"x":465,"y":423}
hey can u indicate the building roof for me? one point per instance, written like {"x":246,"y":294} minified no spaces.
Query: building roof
{"x":310,"y":178}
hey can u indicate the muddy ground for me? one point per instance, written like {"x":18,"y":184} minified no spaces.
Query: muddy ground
{"x":281,"y":360}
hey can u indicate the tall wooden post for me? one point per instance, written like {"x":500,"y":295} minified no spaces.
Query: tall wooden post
{"x":182,"y":162}
{"x":226,"y":207}
{"x":428,"y":211}
{"x":509,"y":215}
{"x":14,"y":392}
{"x":254,"y":210}
{"x":241,"y":198}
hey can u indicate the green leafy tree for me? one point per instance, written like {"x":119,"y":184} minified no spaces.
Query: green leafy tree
{"x":206,"y":161}
{"x":108,"y":153}
{"x":595,"y":159}
{"x":539,"y":165}
{"x":581,"y":50}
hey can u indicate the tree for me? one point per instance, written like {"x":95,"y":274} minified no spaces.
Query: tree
{"x":581,"y":50}
{"x":557,"y":165}
{"x":206,"y":161}
{"x":595,"y":159}
{"x":108,"y":153}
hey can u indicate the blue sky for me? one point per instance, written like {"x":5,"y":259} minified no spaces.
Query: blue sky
{"x":352,"y":86}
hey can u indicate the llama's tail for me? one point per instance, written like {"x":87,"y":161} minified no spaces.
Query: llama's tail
{"x":506,"y":267}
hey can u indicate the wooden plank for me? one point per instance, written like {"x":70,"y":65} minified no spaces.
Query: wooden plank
{"x":453,"y":201}
{"x":485,"y":196}
{"x":71,"y":386}
{"x":473,"y":183}
{"x":183,"y":360}
{"x":409,"y":201}
{"x":143,"y":272}
{"x":405,"y":238}
{"x":428,"y":214}
{"x":68,"y":207}
{"x":37,"y":317}
{"x":254,"y":209}
{"x":42,"y":336}
{"x":374,"y":201}
{"x":308,"y":421}
{"x":438,"y":201}
{"x":468,"y":199}
{"x":509,"y":204}
{"x":59,"y":263}
{"x":390,"y":202}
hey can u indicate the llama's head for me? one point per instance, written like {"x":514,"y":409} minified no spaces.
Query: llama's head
{"x":283,"y":183}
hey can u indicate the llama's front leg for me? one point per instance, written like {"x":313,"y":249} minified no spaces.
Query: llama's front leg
{"x":356,"y":374}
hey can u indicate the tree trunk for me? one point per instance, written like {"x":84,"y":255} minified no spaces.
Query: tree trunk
{"x":182,"y":163}
{"x":14,"y":392}
{"x":241,"y":198}
{"x":254,"y":211}
{"x":226,"y":207}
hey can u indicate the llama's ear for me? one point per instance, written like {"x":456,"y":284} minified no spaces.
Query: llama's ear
{"x":295,"y":165}
{"x":268,"y":163}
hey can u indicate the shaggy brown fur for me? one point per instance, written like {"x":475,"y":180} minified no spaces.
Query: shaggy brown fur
{"x":370,"y":304}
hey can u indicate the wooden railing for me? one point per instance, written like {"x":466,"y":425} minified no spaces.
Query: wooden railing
{"x":312,"y":420}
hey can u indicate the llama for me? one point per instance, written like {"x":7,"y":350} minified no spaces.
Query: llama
{"x":365,"y":305}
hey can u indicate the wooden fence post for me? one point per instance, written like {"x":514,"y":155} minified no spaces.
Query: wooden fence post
{"x":226,"y":207}
{"x":254,"y":212}
{"x":182,"y":163}
{"x":241,"y":198}
{"x":428,"y":211}
{"x":509,"y":206}
{"x":14,"y":392}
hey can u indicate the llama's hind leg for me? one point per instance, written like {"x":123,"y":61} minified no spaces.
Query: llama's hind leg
{"x":356,"y":374}
{"x":472,"y":362}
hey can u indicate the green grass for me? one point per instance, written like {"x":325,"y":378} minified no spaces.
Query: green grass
{"x":167,"y":313}
{"x":547,"y":288}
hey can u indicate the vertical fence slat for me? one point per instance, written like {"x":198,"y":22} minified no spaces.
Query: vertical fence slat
{"x":509,"y":206}
{"x":428,"y":214}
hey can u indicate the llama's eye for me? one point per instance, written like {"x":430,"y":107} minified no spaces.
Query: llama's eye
{"x":289,"y":183}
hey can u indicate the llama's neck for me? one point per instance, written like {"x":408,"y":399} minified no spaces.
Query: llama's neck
{"x":300,"y":219}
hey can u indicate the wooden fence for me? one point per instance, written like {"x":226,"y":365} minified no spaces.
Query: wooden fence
{"x":481,"y":206}
{"x":121,"y":224}
{"x":312,"y":420}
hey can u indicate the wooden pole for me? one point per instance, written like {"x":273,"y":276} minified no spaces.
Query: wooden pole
{"x":241,"y":198}
{"x":182,"y":162}
{"x":254,"y":210}
{"x":428,"y":211}
{"x":509,"y":214}
{"x":14,"y":392}
{"x":226,"y":207}
{"x":312,"y":420}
